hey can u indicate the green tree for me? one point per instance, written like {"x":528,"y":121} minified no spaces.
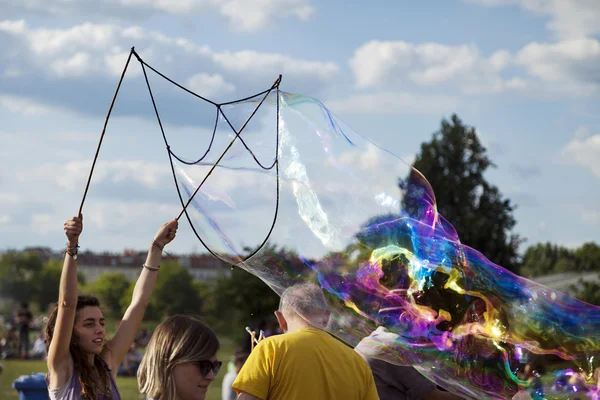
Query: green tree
{"x":175,"y":293}
{"x":17,"y":272}
{"x":110,"y":288}
{"x":454,"y":163}
{"x":245,"y":294}
{"x":48,"y":280}
{"x":242,"y":298}
{"x":587,"y":291}
{"x":539,"y":259}
{"x":588,"y":257}
{"x":152,"y":311}
{"x":547,"y":258}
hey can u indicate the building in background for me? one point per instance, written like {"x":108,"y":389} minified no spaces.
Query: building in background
{"x":202,"y":267}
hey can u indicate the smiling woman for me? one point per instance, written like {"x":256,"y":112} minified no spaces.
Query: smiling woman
{"x":82,"y":364}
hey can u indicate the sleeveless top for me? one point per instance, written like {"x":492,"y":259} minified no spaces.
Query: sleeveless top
{"x":72,"y":389}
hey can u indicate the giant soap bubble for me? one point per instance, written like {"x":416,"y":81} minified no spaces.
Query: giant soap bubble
{"x":291,"y":194}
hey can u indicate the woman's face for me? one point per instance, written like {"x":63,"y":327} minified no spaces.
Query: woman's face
{"x":190,"y":384}
{"x":89,"y":328}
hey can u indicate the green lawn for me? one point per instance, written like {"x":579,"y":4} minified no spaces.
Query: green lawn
{"x":127,"y":386}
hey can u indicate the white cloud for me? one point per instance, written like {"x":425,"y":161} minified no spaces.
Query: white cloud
{"x":243,"y":15}
{"x":81,"y":50}
{"x":500,"y":59}
{"x":592,"y":217}
{"x":384,"y":63}
{"x":567,"y":67}
{"x":271,"y":64}
{"x":568,"y":18}
{"x":111,"y":214}
{"x":45,"y":223}
{"x":25,"y":106}
{"x":369,"y":159}
{"x":209,"y":85}
{"x":79,"y":64}
{"x":58,"y":60}
{"x":571,"y":64}
{"x":9,"y":198}
{"x":56,"y":41}
{"x":581,"y":133}
{"x":583,"y":151}
{"x":253,"y":15}
{"x":395,"y":103}
{"x":14,"y":27}
{"x":73,"y":175}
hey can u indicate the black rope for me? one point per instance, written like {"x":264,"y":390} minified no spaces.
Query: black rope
{"x":237,"y":136}
{"x":242,"y":140}
{"x":196,"y":94}
{"x":212,"y":139}
{"x":87,"y":186}
{"x":219,"y":109}
{"x":173,"y":82}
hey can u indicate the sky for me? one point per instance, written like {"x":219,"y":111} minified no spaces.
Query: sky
{"x":524,"y":73}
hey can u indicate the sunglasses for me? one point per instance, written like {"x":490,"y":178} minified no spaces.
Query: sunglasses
{"x":206,"y":366}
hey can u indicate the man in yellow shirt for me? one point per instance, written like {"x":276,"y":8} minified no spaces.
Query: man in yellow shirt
{"x":305,"y":362}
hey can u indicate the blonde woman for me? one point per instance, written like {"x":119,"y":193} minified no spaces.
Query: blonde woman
{"x":180,"y":361}
{"x":82,"y":363}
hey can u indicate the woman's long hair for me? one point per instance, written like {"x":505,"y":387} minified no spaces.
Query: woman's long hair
{"x":94,"y":379}
{"x":178,"y":339}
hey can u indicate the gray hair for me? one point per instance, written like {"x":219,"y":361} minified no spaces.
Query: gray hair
{"x":307,"y":301}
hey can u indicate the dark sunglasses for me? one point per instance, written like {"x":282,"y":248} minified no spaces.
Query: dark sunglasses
{"x":206,"y":366}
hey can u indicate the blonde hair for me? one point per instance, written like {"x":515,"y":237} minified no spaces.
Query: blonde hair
{"x":307,"y":301}
{"x":178,"y":339}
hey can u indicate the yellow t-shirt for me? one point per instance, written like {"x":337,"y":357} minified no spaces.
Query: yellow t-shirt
{"x":307,"y":364}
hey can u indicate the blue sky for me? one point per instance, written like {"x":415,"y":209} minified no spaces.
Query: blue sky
{"x":525,"y":73}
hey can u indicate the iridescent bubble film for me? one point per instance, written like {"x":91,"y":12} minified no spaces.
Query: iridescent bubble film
{"x":298,"y":196}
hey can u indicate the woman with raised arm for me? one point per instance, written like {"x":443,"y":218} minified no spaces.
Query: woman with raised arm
{"x":82,"y":364}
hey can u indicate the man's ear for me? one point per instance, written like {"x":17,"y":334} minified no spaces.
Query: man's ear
{"x":281,"y":320}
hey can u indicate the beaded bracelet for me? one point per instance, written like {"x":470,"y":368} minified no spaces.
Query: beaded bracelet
{"x":72,"y":250}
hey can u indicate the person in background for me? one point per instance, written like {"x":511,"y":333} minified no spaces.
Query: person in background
{"x":131,"y":362}
{"x":227,"y":392}
{"x":24,"y":318}
{"x":10,"y":343}
{"x":38,"y":350}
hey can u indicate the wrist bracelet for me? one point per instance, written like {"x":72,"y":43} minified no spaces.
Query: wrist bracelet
{"x":157,"y":245}
{"x":151,"y":268}
{"x":72,"y":250}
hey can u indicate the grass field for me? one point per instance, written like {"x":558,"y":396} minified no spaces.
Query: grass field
{"x":127,"y":386}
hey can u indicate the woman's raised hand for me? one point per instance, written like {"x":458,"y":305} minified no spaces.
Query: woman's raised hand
{"x":73,"y":227}
{"x":166,"y":233}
